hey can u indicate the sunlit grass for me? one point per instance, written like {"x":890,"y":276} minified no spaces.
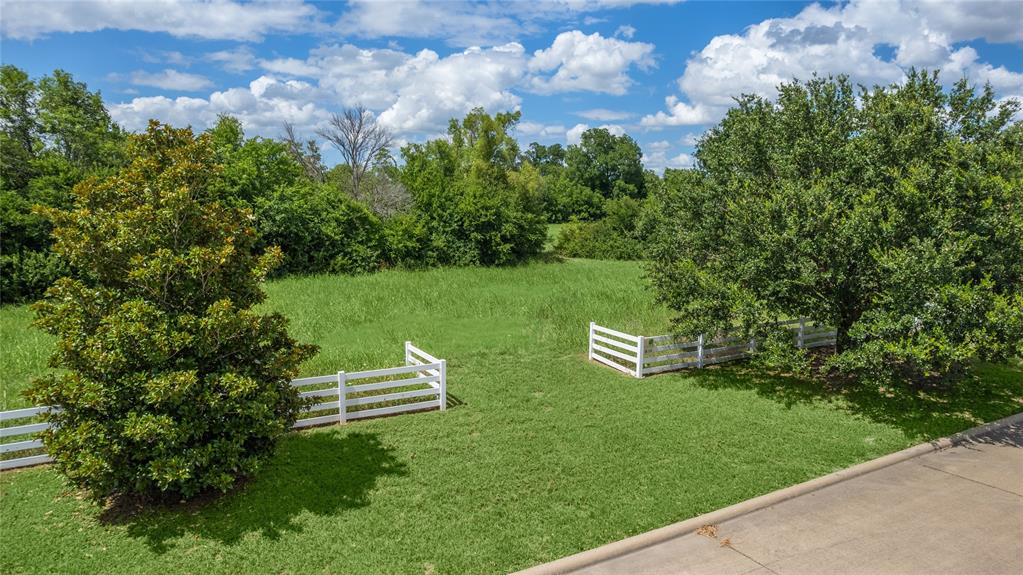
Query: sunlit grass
{"x":543,"y":455}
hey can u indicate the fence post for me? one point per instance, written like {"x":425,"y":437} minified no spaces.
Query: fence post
{"x":408,"y":354}
{"x":589,"y":354}
{"x":640,"y":355}
{"x":443,"y":384}
{"x":802,"y":330}
{"x":342,"y":382}
{"x":699,"y":351}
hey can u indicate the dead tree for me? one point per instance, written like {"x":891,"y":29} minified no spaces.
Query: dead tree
{"x":307,"y":155}
{"x":359,"y":138}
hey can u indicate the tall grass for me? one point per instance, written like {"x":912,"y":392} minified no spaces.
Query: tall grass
{"x":542,"y":454}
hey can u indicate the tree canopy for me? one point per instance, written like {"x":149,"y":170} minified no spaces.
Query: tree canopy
{"x":893,"y":213}
{"x":608,"y":164}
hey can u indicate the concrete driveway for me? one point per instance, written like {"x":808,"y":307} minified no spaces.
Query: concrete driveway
{"x":959,"y":511}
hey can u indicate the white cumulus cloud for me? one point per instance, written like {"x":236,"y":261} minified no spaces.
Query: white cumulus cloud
{"x":576,"y":61}
{"x":236,"y":61}
{"x":262,"y":107}
{"x":575,"y":134}
{"x":171,"y":80}
{"x":844,"y":39}
{"x":209,"y":19}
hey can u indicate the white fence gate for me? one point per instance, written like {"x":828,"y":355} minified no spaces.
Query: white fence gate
{"x":639,"y":355}
{"x":422,"y":376}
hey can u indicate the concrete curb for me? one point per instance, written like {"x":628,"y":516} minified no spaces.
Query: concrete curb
{"x":643,"y":540}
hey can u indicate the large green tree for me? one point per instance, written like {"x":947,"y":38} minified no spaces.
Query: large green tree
{"x":894,"y":214}
{"x":607,"y":164}
{"x":171,"y":383}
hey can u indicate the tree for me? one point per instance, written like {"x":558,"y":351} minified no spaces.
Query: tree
{"x":608,"y":164}
{"x":53,"y":133}
{"x":320,"y":229}
{"x":358,"y":136}
{"x":19,"y":128}
{"x":171,"y":384}
{"x":76,"y":123}
{"x":465,"y":209}
{"x":894,"y":215}
{"x":251,"y":168}
{"x":381,"y":188}
{"x":307,"y":153}
{"x":548,"y":159}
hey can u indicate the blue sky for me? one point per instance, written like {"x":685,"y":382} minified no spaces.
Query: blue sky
{"x":660,"y":70}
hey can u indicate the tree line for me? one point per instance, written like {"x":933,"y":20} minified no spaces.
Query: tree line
{"x":473,"y":198}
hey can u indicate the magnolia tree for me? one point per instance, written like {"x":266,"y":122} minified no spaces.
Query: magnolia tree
{"x":171,"y":383}
{"x":894,"y":214}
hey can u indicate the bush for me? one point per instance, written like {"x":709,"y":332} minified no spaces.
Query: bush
{"x":171,"y":384}
{"x":26,"y":276}
{"x":564,"y":200}
{"x":777,"y":351}
{"x":615,"y":237}
{"x":320,"y":229}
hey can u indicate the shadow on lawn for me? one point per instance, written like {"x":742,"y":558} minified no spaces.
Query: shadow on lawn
{"x":320,"y":472}
{"x":992,"y":392}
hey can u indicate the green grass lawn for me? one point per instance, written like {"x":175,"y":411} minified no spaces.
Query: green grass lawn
{"x":541,"y":456}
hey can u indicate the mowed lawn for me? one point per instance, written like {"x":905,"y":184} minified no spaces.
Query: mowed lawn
{"x":541,"y":454}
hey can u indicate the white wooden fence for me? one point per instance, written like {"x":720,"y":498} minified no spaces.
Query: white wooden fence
{"x":422,"y":376}
{"x":639,"y":355}
{"x":25,"y":432}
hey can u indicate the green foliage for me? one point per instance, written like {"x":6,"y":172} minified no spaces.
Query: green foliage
{"x":607,"y":164}
{"x":321,"y":229}
{"x":75,"y":121}
{"x":615,"y":237}
{"x":54,"y":133}
{"x":893,"y":215}
{"x":171,"y":384}
{"x":251,"y":169}
{"x":465,"y":209}
{"x":316,"y":225}
{"x":777,"y":352}
{"x":564,"y":199}
{"x":550,"y":160}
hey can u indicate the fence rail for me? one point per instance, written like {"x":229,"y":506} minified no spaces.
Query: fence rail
{"x":28,"y":449}
{"x":422,"y":378}
{"x":639,"y":356}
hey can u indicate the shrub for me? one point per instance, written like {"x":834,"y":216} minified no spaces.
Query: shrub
{"x":564,"y":200}
{"x":172,"y":385}
{"x":615,"y":237}
{"x":26,"y":275}
{"x":776,"y":351}
{"x":320,"y":229}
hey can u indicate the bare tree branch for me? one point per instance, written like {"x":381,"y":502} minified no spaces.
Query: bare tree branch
{"x":359,"y":138}
{"x":307,"y":155}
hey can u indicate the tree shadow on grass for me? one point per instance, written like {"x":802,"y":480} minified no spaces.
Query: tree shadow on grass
{"x":319,"y":472}
{"x":991,"y":392}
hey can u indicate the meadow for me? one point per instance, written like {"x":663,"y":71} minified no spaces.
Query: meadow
{"x":540,"y":455}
